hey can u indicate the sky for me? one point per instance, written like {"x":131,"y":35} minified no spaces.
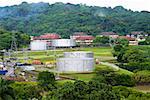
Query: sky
{"x":135,"y":5}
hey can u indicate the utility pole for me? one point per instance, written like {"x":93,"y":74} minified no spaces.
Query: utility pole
{"x":13,"y":55}
{"x":13,"y":48}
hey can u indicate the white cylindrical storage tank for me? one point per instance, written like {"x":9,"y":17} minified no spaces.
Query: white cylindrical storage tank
{"x":63,"y":43}
{"x":75,"y":64}
{"x":38,"y":45}
{"x":79,"y":54}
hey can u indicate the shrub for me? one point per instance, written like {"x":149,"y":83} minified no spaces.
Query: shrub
{"x":142,"y":77}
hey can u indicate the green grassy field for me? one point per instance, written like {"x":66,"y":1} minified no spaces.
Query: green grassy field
{"x":80,"y":76}
{"x":103,"y":53}
{"x":88,"y":76}
{"x":99,"y":51}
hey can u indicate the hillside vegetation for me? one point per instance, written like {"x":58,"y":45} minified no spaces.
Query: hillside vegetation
{"x":39,"y":18}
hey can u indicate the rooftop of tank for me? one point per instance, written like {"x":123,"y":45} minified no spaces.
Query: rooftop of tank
{"x":80,"y":52}
{"x":77,"y":58}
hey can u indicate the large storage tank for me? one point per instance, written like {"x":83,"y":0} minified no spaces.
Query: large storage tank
{"x":38,"y":45}
{"x":78,"y":54}
{"x":76,"y":62}
{"x":63,"y":43}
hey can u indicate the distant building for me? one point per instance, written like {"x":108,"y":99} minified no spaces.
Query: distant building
{"x":109,"y":34}
{"x":67,"y":43}
{"x":38,"y":45}
{"x":82,"y":38}
{"x":47,"y":37}
{"x":132,"y":41}
{"x":139,"y":35}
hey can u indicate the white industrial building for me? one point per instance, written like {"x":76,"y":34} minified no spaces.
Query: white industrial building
{"x":63,"y":43}
{"x":38,"y":45}
{"x":76,"y":62}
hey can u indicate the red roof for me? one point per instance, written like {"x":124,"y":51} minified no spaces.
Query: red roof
{"x":48,"y":36}
{"x":86,"y":37}
{"x":126,"y":37}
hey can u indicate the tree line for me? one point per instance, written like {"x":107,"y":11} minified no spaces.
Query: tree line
{"x":47,"y":88}
{"x":65,"y":19}
{"x":21,"y":39}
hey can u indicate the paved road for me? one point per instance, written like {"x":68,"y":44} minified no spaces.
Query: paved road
{"x":110,"y":65}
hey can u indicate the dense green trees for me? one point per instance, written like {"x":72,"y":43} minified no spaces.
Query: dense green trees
{"x":133,"y":66}
{"x":130,"y":94}
{"x":6,"y":92}
{"x":46,"y":80}
{"x":131,"y":54}
{"x":22,"y":39}
{"x":133,"y":58}
{"x":106,"y":85}
{"x":146,"y":42}
{"x":101,"y":40}
{"x":109,"y":76}
{"x":26,"y":90}
{"x":142,"y":77}
{"x":123,"y":42}
{"x":80,"y":90}
{"x":67,"y":18}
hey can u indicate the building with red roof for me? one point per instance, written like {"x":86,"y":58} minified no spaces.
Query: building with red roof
{"x":132,"y":41}
{"x":47,"y":37}
{"x":128,"y":38}
{"x":139,"y":35}
{"x":82,"y":38}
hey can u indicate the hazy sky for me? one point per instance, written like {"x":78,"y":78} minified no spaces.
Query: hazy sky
{"x":136,"y":5}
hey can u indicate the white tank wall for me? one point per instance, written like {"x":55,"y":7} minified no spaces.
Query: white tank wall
{"x":38,"y":45}
{"x":75,"y":64}
{"x":79,"y":54}
{"x":63,"y":43}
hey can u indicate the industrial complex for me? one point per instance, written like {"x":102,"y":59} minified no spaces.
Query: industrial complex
{"x":46,"y":53}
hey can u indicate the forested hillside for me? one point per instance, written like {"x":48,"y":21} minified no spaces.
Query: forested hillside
{"x":39,"y":18}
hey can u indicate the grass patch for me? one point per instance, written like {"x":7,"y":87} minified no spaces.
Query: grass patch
{"x":99,"y":51}
{"x":120,"y":71}
{"x":61,"y":82}
{"x":80,"y":76}
{"x":123,"y":71}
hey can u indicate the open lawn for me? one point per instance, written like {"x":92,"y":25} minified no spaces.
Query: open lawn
{"x":88,"y":76}
{"x":80,"y":76}
{"x":102,"y":53}
{"x":99,"y":51}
